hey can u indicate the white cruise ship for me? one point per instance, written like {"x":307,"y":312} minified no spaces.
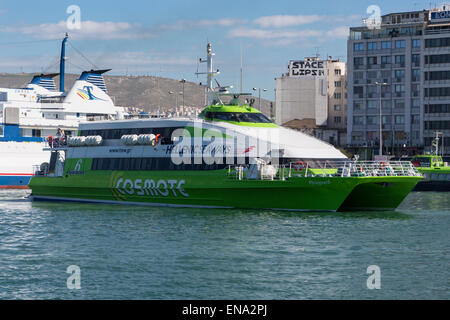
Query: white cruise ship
{"x":29,"y":115}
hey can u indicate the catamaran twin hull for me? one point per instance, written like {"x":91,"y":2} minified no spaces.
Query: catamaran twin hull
{"x":224,"y":189}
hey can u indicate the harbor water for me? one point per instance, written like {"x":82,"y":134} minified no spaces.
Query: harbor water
{"x":128,"y":252}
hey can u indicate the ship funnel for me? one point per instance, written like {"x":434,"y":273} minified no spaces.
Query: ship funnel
{"x":95,"y":77}
{"x":45,"y":80}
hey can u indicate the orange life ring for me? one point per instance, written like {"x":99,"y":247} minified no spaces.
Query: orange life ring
{"x":382,"y":165}
{"x":299,"y":166}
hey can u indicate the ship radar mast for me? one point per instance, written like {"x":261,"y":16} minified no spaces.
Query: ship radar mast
{"x":213,"y":94}
{"x":210,"y":73}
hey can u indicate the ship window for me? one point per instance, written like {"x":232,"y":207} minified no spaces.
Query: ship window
{"x":36,"y":133}
{"x":238,"y":117}
{"x":441,"y":176}
{"x":1,"y":131}
{"x":448,"y":177}
{"x":149,"y":164}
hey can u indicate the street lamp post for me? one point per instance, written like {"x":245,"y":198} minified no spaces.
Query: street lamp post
{"x":381,"y":84}
{"x":259,"y":89}
{"x":183,"y":81}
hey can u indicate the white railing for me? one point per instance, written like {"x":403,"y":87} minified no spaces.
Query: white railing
{"x":342,"y":169}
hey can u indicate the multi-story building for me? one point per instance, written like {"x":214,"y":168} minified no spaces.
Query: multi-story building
{"x":404,"y":66}
{"x":337,"y":100}
{"x":311,"y":97}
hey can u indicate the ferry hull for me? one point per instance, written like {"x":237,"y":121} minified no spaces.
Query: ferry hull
{"x":212,"y":190}
{"x":379,"y":193}
{"x":12,"y":181}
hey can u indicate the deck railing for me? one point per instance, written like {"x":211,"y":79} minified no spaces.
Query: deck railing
{"x":342,"y":169}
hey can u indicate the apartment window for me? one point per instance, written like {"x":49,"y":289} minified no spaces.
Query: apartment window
{"x":386,"y":119}
{"x":437,"y":108}
{"x":399,"y":119}
{"x":372,"y":60}
{"x":337,"y":95}
{"x":437,"y":92}
{"x":415,"y":119}
{"x":358,"y":61}
{"x":358,"y":90}
{"x":371,"y":120}
{"x":337,"y":119}
{"x":371,"y":46}
{"x":399,"y":44}
{"x":358,"y":46}
{"x":338,"y":84}
{"x":415,"y":58}
{"x":415,"y":89}
{"x":437,"y":75}
{"x":416,"y":43}
{"x":399,"y":88}
{"x":386,"y":104}
{"x":372,"y":75}
{"x":416,"y":75}
{"x":358,"y":120}
{"x":337,"y":107}
{"x":386,"y":45}
{"x":372,"y":104}
{"x":358,"y":75}
{"x":437,"y":43}
{"x":337,"y":72}
{"x":400,"y":59}
{"x":358,"y":105}
{"x":415,"y":103}
{"x":386,"y":60}
{"x":357,"y":136}
{"x":437,"y":58}
{"x":399,"y":104}
{"x":400,"y":74}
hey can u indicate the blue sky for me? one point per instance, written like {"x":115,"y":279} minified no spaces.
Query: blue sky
{"x":167,"y":37}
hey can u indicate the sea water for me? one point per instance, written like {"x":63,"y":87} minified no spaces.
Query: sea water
{"x":49,"y":249}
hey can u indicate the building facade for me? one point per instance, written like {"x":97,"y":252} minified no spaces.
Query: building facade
{"x":402,"y":65}
{"x":311,"y":97}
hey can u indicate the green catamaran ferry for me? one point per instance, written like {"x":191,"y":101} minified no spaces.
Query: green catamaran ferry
{"x":435,"y":171}
{"x":232,"y":156}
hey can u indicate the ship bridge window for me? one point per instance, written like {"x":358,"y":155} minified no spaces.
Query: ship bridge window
{"x":238,"y":117}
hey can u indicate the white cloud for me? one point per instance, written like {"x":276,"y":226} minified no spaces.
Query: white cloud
{"x":339,"y":32}
{"x":194,"y":24}
{"x":89,"y":30}
{"x":272,"y":34}
{"x":280,"y":21}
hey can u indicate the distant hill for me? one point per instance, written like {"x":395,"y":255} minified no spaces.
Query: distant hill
{"x":145,"y":92}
